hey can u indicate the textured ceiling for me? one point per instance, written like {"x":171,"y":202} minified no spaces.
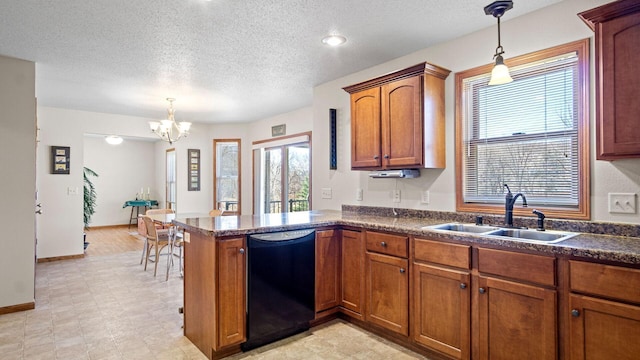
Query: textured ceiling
{"x":224,"y":60}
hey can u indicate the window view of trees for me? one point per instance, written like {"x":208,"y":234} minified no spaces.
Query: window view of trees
{"x":227,"y":175}
{"x":293,"y":195}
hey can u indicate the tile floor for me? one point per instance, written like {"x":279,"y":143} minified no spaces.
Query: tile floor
{"x":107,"y":307}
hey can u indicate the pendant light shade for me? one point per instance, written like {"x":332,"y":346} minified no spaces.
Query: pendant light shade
{"x":500,"y":73}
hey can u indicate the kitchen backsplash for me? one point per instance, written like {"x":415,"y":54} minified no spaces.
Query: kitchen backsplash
{"x":604,"y":228}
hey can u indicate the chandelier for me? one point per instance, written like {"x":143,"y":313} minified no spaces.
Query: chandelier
{"x":168,"y":130}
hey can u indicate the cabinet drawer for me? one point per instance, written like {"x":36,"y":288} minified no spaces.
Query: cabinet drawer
{"x":527,"y":267}
{"x":613,"y":282}
{"x":395,"y":245}
{"x":442,"y":253}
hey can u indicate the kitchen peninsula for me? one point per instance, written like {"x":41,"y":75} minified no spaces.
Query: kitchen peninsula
{"x":386,"y":273}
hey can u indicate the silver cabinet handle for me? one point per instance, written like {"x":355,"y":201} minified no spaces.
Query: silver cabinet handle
{"x":386,"y":156}
{"x":241,"y":250}
{"x":575,"y":312}
{"x":482,"y":290}
{"x":376,"y":157}
{"x":402,"y":270}
{"x":463,"y":286}
{"x":383,"y":244}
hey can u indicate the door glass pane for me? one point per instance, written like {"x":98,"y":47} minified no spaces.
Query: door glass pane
{"x":298,"y":177}
{"x":273,"y":180}
{"x":227,"y":175}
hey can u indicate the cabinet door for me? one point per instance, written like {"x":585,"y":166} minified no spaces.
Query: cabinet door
{"x":365,"y":129}
{"x":402,"y":123}
{"x":601,"y":329}
{"x":231,"y":292}
{"x":327,"y":269}
{"x":387,"y":288}
{"x":442,"y":310}
{"x":352,"y":295}
{"x":516,"y":321}
{"x":619,"y":87}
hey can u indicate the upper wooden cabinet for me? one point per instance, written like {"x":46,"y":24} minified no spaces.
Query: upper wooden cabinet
{"x":617,"y":35}
{"x":397,"y":120}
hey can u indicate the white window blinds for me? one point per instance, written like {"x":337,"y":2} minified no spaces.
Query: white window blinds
{"x":524,"y":134}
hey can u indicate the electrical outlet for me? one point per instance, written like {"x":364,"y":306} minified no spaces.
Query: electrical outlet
{"x":358,"y":194}
{"x":622,"y":203}
{"x":326,"y":193}
{"x":425,"y":197}
{"x":72,"y":190}
{"x":396,"y":195}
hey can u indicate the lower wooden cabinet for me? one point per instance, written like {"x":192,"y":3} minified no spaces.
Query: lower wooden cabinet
{"x":441,"y":318}
{"x":327,"y":269}
{"x":602,"y":329}
{"x":352,"y":272}
{"x":231,"y":282}
{"x":516,"y":321}
{"x":387,"y":291}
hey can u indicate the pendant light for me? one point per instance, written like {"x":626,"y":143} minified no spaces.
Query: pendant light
{"x":169,"y":130}
{"x":500,"y":72}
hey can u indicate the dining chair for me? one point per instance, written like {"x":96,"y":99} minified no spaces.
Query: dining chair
{"x":216,"y":212}
{"x":156,"y":241}
{"x":161,"y":230}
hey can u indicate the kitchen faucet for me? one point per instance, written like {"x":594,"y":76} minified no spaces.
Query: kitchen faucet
{"x":509,"y":200}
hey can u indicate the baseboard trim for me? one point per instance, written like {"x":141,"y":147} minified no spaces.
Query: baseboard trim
{"x":58,"y":258}
{"x":108,"y":226}
{"x":17,"y":308}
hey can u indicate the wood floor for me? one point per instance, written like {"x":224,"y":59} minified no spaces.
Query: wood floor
{"x":113,"y":240}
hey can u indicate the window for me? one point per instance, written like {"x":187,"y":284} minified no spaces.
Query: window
{"x":282,"y":168}
{"x":226,"y":174}
{"x":170,"y":188}
{"x":532,"y":134}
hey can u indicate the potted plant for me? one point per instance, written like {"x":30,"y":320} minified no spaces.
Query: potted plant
{"x":90,"y":198}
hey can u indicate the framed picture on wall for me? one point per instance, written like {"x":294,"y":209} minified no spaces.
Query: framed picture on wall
{"x":60,"y":159}
{"x":193,"y":162}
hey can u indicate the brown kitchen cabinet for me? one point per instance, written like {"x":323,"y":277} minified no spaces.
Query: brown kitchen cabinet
{"x":442,"y":297}
{"x":617,"y":36}
{"x":215,"y":293}
{"x":352,"y":273}
{"x":517,"y":306}
{"x":604,"y":311}
{"x":397,"y":120}
{"x":327,"y":273}
{"x":387,"y":281}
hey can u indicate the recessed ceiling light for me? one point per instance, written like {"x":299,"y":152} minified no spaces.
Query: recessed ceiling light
{"x":113,"y":140}
{"x":334,"y":40}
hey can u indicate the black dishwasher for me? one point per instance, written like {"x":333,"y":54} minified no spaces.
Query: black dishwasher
{"x":281,"y":285}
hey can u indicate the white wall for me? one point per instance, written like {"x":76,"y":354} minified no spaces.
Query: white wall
{"x":545,"y":28}
{"x":122,"y":170}
{"x":60,"y":227}
{"x":17,"y":180}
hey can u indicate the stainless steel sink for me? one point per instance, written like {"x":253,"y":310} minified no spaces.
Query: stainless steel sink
{"x":466,"y":228}
{"x":529,"y":235}
{"x":548,"y":236}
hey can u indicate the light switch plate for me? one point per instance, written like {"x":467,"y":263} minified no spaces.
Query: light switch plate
{"x":622,"y":203}
{"x":425,"y":197}
{"x":359,"y":194}
{"x":326,"y":193}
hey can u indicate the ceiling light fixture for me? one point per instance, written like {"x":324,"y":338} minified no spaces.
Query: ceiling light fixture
{"x":334,"y":40}
{"x":113,"y":140}
{"x":168,"y":130}
{"x":500,"y":72}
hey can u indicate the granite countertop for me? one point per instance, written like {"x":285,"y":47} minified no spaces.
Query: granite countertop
{"x":622,"y":249}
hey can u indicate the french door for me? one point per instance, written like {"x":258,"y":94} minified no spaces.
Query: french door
{"x":283,"y":177}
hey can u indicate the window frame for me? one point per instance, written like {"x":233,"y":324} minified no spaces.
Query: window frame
{"x":238,"y":210}
{"x":582,"y":211}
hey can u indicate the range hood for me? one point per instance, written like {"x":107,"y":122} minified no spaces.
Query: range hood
{"x":405,"y":173}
